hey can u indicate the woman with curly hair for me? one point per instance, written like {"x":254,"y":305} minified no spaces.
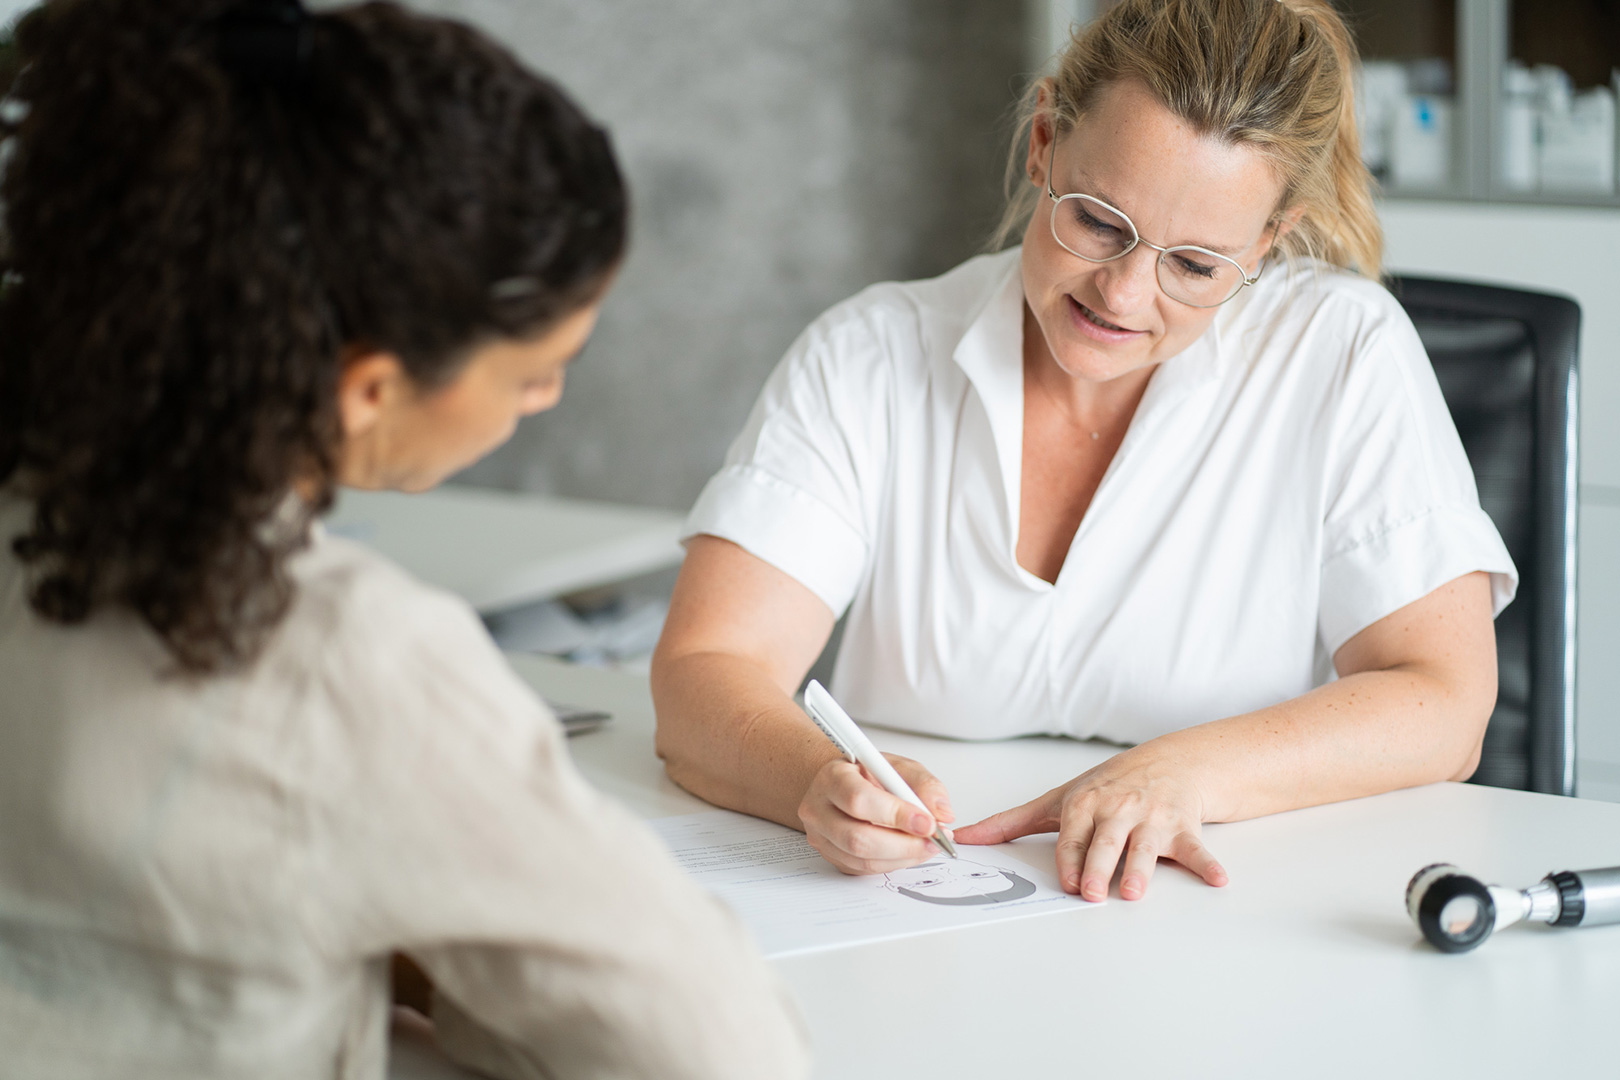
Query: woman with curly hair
{"x":252,"y":254}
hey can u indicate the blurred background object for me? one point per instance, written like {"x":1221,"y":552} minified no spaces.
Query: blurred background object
{"x":783,"y":156}
{"x":1408,"y":90}
{"x":1489,"y":99}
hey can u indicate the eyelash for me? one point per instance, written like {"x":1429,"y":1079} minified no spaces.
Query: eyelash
{"x":1097,"y":225}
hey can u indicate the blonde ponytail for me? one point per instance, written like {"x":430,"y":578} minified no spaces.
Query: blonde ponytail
{"x":1278,"y":75}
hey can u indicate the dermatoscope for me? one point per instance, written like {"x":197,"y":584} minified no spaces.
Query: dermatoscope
{"x":1457,"y":912}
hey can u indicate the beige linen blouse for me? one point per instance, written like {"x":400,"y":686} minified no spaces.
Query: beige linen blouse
{"x":205,"y":878}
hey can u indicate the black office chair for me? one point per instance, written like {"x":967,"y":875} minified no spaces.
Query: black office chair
{"x":1506,"y":361}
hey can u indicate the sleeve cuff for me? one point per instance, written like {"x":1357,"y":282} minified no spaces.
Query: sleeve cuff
{"x":1379,"y":576}
{"x":787,"y":527}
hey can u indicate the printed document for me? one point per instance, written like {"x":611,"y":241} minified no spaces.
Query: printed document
{"x":795,"y":901}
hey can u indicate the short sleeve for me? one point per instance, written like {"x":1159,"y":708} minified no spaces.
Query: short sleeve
{"x":561,"y":937}
{"x":1402,"y":514}
{"x":801,"y":483}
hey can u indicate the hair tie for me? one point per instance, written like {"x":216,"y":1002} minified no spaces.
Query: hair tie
{"x":267,"y":43}
{"x":515,"y":288}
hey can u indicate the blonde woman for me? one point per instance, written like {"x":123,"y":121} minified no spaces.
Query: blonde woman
{"x":1174,"y":473}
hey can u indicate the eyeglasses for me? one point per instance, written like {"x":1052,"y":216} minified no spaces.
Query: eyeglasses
{"x":1097,"y":232}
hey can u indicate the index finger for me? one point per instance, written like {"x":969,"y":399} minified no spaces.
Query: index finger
{"x":1039,"y":815}
{"x":929,"y":788}
{"x":864,"y":799}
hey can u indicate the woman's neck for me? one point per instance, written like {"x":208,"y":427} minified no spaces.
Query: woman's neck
{"x":1087,"y":405}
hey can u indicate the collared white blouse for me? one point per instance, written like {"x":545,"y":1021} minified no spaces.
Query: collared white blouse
{"x":1291,"y":478}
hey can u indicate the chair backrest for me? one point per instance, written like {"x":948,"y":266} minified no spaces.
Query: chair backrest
{"x":1506,"y":361}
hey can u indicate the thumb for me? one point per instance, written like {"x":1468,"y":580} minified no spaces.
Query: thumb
{"x":1040,"y":815}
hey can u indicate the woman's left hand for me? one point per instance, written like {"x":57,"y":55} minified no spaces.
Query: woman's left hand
{"x":1138,"y":804}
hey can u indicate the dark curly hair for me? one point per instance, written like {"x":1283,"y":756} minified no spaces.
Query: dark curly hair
{"x":205,"y":203}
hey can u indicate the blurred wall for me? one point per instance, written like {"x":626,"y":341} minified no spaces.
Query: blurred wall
{"x":782,"y":156}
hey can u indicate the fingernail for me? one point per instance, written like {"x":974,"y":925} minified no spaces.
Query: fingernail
{"x":921,"y":825}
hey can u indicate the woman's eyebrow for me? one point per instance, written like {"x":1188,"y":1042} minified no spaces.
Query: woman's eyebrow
{"x":1219,"y":249}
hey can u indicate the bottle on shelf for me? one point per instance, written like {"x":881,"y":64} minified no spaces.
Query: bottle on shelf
{"x":1519,"y":157}
{"x":1406,"y":109}
{"x":1576,"y":134}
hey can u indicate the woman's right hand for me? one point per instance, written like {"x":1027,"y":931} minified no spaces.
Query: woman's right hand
{"x":861,"y":828}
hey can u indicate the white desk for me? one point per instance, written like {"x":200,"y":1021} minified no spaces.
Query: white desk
{"x":498,"y":549}
{"x":1305,"y":966}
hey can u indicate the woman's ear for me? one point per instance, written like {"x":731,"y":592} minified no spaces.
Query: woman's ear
{"x":371,"y":383}
{"x":1041,"y":133}
{"x":1286,"y":221}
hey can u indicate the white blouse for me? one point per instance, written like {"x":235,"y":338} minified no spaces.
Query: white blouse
{"x":1291,"y":478}
{"x":205,"y":878}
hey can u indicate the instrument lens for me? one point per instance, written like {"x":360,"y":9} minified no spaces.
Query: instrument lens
{"x":1460,"y":917}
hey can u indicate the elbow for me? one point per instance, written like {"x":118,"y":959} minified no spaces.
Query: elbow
{"x":688,"y":736}
{"x":1473,"y":747}
{"x":679,"y":759}
{"x":666,"y":746}
{"x":1475,"y":721}
{"x":675,"y":736}
{"x":660,"y":678}
{"x":1470,"y":761}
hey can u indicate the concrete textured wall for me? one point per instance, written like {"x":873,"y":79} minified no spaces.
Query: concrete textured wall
{"x":782,"y":156}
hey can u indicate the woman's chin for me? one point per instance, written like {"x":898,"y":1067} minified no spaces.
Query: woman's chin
{"x":1084,"y":360}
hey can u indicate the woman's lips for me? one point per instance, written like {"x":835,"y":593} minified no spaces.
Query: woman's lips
{"x":1082,"y":317}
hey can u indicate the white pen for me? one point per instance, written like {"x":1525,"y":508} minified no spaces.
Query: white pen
{"x":852,"y":742}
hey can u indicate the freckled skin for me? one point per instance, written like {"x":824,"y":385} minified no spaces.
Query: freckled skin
{"x":1080,"y":393}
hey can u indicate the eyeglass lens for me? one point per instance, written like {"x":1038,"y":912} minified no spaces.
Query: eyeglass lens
{"x":1089,"y":229}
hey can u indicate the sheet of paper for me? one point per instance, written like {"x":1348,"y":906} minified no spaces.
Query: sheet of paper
{"x":794,"y":901}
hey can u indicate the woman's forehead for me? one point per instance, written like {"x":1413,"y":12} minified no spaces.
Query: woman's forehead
{"x":1178,"y":186}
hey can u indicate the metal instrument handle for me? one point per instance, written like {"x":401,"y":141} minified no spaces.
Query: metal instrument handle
{"x":1600,"y":890}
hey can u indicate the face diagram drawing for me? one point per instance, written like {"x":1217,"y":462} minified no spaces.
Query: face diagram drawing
{"x":958,"y":883}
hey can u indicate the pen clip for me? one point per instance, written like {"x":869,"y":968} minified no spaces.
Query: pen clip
{"x":826,"y":729}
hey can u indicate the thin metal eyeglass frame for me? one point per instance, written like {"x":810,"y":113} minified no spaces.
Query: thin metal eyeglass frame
{"x":1136,"y":238}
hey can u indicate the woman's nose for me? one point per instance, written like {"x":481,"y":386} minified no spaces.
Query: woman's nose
{"x":538,"y":399}
{"x":1128,"y":284}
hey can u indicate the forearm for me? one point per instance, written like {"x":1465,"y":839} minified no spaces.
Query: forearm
{"x":731,"y":736}
{"x":1366,"y":733}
